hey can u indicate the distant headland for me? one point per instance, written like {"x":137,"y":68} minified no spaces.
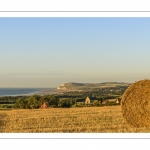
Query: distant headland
{"x":85,"y":86}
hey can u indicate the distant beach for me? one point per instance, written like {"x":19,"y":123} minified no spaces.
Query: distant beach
{"x":27,"y":91}
{"x":49,"y":91}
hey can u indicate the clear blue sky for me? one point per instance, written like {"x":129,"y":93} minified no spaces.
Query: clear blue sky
{"x":47,"y":52}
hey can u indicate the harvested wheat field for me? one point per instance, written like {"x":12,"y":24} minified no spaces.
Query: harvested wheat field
{"x":67,"y":120}
{"x":135,"y":104}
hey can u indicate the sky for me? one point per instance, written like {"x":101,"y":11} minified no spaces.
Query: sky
{"x":47,"y":52}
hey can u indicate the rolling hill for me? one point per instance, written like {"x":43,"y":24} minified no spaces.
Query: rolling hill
{"x":82,"y":86}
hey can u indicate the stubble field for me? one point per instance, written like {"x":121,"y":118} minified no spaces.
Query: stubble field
{"x":66,"y":120}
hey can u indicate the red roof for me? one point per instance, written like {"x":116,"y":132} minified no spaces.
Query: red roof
{"x":45,"y":105}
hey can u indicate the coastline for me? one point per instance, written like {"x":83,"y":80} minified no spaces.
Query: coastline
{"x":49,"y":91}
{"x":6,"y":92}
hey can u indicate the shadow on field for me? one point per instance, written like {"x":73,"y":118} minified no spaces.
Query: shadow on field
{"x":3,"y":122}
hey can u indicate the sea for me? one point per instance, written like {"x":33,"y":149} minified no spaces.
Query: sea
{"x":26,"y":91}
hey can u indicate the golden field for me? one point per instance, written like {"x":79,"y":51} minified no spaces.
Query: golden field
{"x":105,"y":119}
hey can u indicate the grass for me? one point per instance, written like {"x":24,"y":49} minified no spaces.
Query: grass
{"x":66,"y":120}
{"x":6,"y":106}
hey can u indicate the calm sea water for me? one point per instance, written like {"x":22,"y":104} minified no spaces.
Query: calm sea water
{"x":22,"y":91}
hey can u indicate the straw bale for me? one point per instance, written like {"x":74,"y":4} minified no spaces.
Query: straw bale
{"x":135,"y":104}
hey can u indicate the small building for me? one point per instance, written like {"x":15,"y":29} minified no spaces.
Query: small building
{"x":111,"y":100}
{"x":45,"y":105}
{"x":104,"y":102}
{"x":80,"y":101}
{"x":90,"y":100}
{"x":115,"y":101}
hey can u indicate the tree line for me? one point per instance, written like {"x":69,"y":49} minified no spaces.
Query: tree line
{"x":36,"y":101}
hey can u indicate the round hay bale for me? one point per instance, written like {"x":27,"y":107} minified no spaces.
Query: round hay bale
{"x":135,"y":104}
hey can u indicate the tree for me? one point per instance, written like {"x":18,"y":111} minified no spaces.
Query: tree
{"x":28,"y":102}
{"x":21,"y":103}
{"x":43,"y":99}
{"x":96,"y":103}
{"x":66,"y":103}
{"x":33,"y":102}
{"x":52,"y":100}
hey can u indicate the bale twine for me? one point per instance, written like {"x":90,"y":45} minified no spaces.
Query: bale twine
{"x":135,"y":104}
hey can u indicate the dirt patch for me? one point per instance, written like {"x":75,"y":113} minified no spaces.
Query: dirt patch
{"x":135,"y":104}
